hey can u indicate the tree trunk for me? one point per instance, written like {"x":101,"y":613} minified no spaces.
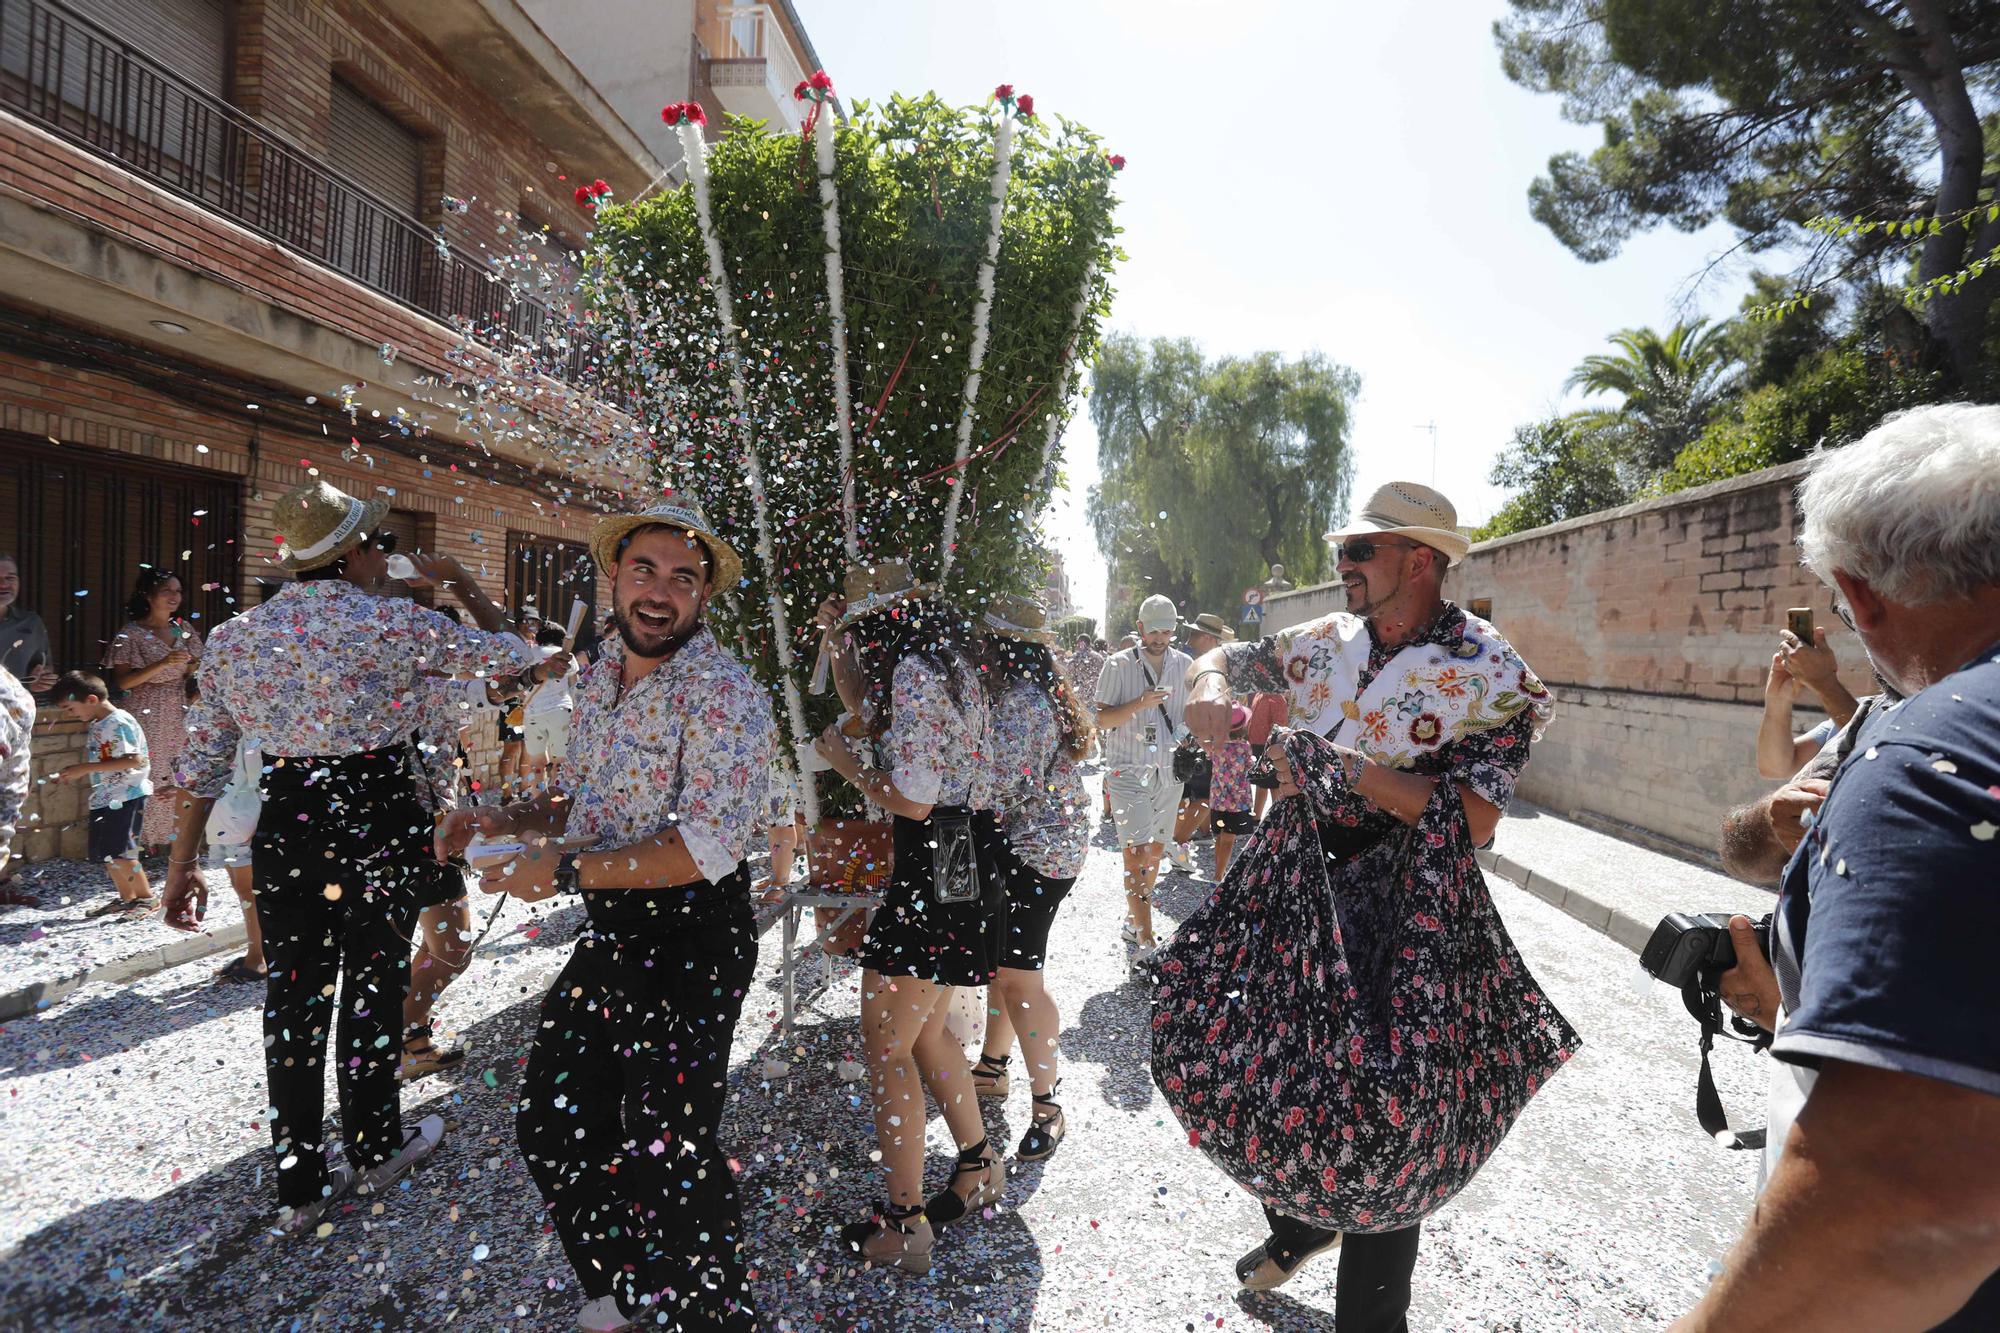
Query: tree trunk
{"x":1957,"y":321}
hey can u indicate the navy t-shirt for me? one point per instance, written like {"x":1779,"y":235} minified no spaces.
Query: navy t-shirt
{"x":1888,"y":923}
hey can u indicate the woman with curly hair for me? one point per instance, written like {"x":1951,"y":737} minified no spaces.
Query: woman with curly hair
{"x":903,"y":666}
{"x":1039,"y":736}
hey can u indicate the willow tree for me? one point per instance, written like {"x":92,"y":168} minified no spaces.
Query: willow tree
{"x":1215,"y":470}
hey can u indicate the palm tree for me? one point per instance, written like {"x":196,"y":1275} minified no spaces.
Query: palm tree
{"x":1670,"y":386}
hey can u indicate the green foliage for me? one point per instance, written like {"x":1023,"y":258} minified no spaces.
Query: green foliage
{"x":1071,"y":628}
{"x":1564,"y":467}
{"x":1214,"y":470}
{"x":914,"y":187}
{"x":1669,"y":385}
{"x":1832,"y":399}
{"x":1771,"y":117}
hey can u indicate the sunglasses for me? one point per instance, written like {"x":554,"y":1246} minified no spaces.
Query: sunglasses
{"x":385,"y":542}
{"x":1846,"y":616}
{"x":1361,"y":550}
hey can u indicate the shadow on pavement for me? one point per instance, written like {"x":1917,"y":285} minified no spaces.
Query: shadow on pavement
{"x":463,"y":1239}
{"x":118,"y":1020}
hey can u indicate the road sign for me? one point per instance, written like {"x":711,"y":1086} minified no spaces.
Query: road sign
{"x":1253,"y":597}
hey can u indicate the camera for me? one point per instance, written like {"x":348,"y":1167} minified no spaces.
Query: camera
{"x":1695,"y":947}
{"x":1690,"y":951}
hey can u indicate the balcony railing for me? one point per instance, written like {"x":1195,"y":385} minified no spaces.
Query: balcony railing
{"x":75,"y":79}
{"x":745,"y":33}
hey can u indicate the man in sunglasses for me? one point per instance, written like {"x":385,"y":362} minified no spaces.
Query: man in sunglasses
{"x":324,"y":679}
{"x":1413,"y":692}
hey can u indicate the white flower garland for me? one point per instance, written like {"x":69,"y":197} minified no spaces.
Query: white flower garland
{"x":696,"y":149}
{"x":1061,"y":398}
{"x":982,"y":312}
{"x":836,"y":297}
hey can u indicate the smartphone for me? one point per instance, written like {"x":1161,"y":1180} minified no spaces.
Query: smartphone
{"x":480,"y":855}
{"x":1799,"y":621}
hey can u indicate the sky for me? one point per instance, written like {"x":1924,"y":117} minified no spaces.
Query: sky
{"x":1310,"y":174}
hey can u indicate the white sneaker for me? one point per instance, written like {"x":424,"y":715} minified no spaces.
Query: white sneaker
{"x":418,"y":1144}
{"x":1177,"y":852}
{"x":306,"y":1217}
{"x":602,"y":1316}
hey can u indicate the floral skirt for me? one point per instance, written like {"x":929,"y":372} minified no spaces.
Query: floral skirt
{"x":1350,"y":1040}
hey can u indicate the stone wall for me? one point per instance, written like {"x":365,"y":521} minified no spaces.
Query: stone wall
{"x":1655,"y":624}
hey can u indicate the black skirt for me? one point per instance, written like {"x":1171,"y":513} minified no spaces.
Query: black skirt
{"x":914,"y":934}
{"x":1032,"y":900}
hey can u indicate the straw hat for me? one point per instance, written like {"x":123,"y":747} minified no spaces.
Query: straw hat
{"x":1406,"y":509}
{"x":320,"y":523}
{"x":1018,"y":618}
{"x":1210,"y":623}
{"x":871,"y":589}
{"x":671,"y":513}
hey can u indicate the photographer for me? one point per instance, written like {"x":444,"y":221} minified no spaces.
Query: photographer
{"x":1881,"y":1200}
{"x":1798,"y":663}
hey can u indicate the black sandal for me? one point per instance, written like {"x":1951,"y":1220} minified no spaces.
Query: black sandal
{"x":422,"y":1056}
{"x":948,"y":1205}
{"x":1045,"y":1130}
{"x":993,"y":1069}
{"x":238,"y":972}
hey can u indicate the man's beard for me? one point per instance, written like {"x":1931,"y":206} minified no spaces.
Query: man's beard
{"x":1368,"y":607}
{"x":643,"y":641}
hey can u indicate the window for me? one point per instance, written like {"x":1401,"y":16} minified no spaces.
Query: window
{"x":372,"y":149}
{"x":81,"y":523}
{"x":544,"y":576}
{"x":1481,"y":607}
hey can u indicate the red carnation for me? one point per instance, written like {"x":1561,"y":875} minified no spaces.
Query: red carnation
{"x":800,"y":91}
{"x":1117,"y":161}
{"x":821,"y":80}
{"x":583,"y":196}
{"x":695,"y":115}
{"x":1004,"y":91}
{"x":1026,"y":105}
{"x":598,"y":187}
{"x":671,"y":114}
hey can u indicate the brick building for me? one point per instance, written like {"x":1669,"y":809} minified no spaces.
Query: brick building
{"x":1655,"y":624}
{"x":244,"y":240}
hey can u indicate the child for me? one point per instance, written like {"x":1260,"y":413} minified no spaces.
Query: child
{"x":118,"y":768}
{"x":1229,"y":789}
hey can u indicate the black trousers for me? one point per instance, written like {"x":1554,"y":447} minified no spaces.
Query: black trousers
{"x":622,"y":1100}
{"x":333,"y":865}
{"x":1372,"y":1288}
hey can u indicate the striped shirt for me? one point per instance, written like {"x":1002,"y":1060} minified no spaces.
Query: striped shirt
{"x":1146,"y":738}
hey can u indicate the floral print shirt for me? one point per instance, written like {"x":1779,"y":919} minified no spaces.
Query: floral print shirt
{"x":1044,"y":813}
{"x":324,"y":668}
{"x":934,"y":749}
{"x":116,"y":735}
{"x":689,"y":747}
{"x":17,"y":726}
{"x":1229,"y":780}
{"x":441,"y":712}
{"x":1488,"y":761}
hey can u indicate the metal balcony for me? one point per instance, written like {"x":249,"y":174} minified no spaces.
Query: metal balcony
{"x":62,"y":72}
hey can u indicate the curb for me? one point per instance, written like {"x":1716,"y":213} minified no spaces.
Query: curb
{"x":1600,"y":917}
{"x":40,"y":995}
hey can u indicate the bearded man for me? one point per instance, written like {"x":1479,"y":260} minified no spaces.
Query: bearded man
{"x":670,"y":750}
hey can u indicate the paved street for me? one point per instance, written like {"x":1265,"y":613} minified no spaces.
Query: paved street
{"x":132,"y":1159}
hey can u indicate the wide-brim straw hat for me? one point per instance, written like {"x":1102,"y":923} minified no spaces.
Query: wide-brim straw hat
{"x":1210,"y":623}
{"x":1406,"y":509}
{"x":726,"y":568}
{"x":882,"y":586}
{"x":319,"y":523}
{"x":1020,"y":618}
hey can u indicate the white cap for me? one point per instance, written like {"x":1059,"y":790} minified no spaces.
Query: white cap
{"x":1157,"y":613}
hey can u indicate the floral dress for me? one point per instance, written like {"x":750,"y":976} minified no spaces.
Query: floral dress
{"x":1345,"y":1027}
{"x":161,"y":705}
